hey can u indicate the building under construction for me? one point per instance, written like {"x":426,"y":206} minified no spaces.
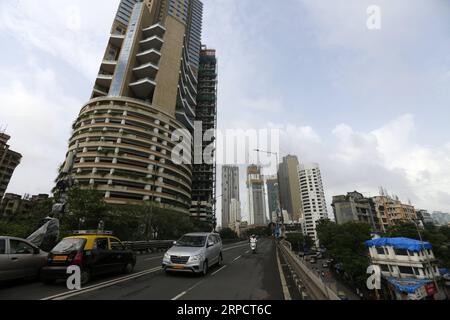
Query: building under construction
{"x":9,"y":160}
{"x":204,"y":175}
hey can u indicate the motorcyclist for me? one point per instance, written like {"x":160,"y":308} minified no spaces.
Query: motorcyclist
{"x":253,"y":241}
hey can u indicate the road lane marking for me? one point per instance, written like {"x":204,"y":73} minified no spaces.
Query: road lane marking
{"x":287,"y":295}
{"x":69,"y":294}
{"x":191,"y":288}
{"x":247,"y":251}
{"x":148,"y":259}
{"x":179,"y":296}
{"x":237,"y":258}
{"x":242,"y":245}
{"x":219,"y":270}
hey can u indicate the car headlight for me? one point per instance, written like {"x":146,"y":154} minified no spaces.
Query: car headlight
{"x":196,"y":258}
{"x":167,"y":256}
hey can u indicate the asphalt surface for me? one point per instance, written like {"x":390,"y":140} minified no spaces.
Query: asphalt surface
{"x":243,"y":276}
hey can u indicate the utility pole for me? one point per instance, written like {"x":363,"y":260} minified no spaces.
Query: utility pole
{"x":426,"y":255}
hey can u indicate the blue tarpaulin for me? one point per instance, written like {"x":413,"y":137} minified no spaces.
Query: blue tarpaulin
{"x":408,"y":285}
{"x":399,"y":243}
{"x":443,"y":271}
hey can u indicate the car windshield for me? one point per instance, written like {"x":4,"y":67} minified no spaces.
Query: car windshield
{"x":191,"y":241}
{"x":68,"y":245}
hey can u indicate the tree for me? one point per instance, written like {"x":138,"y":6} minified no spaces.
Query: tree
{"x":346,"y":243}
{"x":326,"y":230}
{"x":86,"y":209}
{"x":228,"y":234}
{"x":299,"y":241}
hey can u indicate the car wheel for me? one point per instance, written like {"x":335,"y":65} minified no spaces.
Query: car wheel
{"x":220,"y":260}
{"x":205,"y":268}
{"x":128,"y":268}
{"x":85,"y":276}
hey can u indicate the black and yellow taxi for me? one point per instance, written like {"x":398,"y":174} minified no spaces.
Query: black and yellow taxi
{"x":95,"y":252}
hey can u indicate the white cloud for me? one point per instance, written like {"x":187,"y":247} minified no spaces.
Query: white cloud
{"x":74,"y":33}
{"x":39,"y":114}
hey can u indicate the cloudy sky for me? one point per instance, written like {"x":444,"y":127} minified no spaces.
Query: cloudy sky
{"x":372,"y":107}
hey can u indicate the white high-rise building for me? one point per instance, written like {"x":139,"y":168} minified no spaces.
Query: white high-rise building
{"x":313,"y":198}
{"x":256,"y":196}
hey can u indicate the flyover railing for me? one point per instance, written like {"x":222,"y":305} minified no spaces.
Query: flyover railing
{"x":312,"y":281}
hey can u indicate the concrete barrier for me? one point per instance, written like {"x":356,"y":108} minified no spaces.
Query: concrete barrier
{"x":325,"y":291}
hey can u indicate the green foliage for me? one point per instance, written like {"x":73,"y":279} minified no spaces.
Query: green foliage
{"x":258,"y":231}
{"x":299,"y":241}
{"x":228,"y":234}
{"x":128,"y":222}
{"x":345,"y":243}
{"x":15,"y":229}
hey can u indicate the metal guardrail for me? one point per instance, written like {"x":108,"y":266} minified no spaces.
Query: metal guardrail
{"x":149,"y":246}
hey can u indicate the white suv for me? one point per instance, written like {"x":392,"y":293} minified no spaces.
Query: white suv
{"x":194,"y":252}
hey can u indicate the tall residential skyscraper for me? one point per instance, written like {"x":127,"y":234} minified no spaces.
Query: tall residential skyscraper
{"x":290,"y":187}
{"x":256,"y":196}
{"x":146,"y":89}
{"x":230,"y":191}
{"x":273,"y":196}
{"x":313,"y":198}
{"x":204,"y":175}
{"x":9,"y":160}
{"x":235,"y":215}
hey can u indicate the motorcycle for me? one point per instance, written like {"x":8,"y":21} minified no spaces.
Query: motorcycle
{"x":253,"y":247}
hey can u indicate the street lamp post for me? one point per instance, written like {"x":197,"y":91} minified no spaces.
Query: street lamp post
{"x":280,"y":212}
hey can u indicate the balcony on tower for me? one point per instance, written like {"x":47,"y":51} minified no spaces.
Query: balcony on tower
{"x":147,"y":70}
{"x":108,"y":66}
{"x":149,"y":56}
{"x":104,"y":79}
{"x":183,"y":104}
{"x":153,"y":42}
{"x":184,"y":119}
{"x":116,"y":40}
{"x":143,"y":88}
{"x":154,"y":30}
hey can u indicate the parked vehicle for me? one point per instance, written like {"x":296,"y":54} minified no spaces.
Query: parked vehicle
{"x":312,"y":260}
{"x":19,"y":259}
{"x":325,"y":265}
{"x":95,"y":252}
{"x":194,"y":252}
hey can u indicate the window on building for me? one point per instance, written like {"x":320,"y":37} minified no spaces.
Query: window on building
{"x":406,"y":270}
{"x":384,"y":268}
{"x":401,"y":252}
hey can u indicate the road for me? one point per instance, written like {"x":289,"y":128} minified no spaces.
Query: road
{"x":326,"y":275}
{"x":244,"y":276}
